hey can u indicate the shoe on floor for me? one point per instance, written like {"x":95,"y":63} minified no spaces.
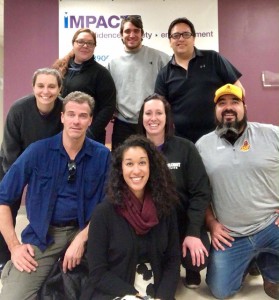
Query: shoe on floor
{"x":254,"y":270}
{"x":271,"y":289}
{"x":192,"y":279}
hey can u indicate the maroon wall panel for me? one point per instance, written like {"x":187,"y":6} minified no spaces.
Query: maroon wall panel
{"x":249,"y":37}
{"x":30,"y":42}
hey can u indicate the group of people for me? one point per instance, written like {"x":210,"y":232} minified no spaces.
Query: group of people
{"x":138,"y":213}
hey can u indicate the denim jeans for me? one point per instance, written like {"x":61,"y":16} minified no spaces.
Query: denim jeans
{"x":226,"y":269}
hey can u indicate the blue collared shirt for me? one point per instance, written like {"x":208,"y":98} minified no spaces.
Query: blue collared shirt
{"x":41,"y":167}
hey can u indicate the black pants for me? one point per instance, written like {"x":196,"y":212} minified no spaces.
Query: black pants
{"x":5,"y":254}
{"x":187,"y":261}
{"x":121,"y":131}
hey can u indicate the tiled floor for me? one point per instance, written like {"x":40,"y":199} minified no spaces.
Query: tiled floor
{"x":252,"y":289}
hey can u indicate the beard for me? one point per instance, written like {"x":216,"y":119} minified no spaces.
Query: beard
{"x":231,"y":130}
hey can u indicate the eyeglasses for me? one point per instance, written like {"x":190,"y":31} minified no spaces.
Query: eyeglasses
{"x":81,"y":43}
{"x":72,"y":168}
{"x":177,"y":35}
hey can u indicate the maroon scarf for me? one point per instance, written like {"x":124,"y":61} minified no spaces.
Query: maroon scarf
{"x":141,"y":216}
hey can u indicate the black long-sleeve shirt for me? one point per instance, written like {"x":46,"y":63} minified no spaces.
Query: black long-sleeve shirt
{"x":25,"y":125}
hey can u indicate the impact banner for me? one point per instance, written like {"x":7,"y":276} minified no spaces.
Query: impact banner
{"x":104,"y":18}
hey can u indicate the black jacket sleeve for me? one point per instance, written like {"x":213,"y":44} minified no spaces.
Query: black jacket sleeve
{"x":199,"y":192}
{"x":11,"y":146}
{"x":192,"y":184}
{"x":160,"y":84}
{"x":171,"y":264}
{"x":105,"y":102}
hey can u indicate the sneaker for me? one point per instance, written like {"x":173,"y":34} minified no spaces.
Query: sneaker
{"x":271,"y":289}
{"x":192,"y":279}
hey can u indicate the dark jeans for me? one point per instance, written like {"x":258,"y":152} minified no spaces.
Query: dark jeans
{"x":5,"y":254}
{"x":121,"y":131}
{"x":187,"y":261}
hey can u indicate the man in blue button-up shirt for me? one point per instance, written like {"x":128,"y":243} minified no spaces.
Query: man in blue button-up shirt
{"x":65,"y":175}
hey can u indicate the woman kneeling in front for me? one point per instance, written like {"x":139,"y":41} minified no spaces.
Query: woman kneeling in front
{"x":133,"y":245}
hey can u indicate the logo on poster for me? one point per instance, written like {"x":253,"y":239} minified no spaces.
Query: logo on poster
{"x":101,"y":21}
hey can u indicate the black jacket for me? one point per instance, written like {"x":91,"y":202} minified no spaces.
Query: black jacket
{"x":192,"y":184}
{"x":64,"y":286}
{"x":96,"y":81}
{"x":112,"y":256}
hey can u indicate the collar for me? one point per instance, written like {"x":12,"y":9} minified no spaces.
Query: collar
{"x":133,"y":51}
{"x":88,"y":147}
{"x":196,"y":52}
{"x":85,"y":64}
{"x":242,"y":134}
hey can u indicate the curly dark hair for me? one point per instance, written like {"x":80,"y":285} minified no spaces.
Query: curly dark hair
{"x":159,"y":184}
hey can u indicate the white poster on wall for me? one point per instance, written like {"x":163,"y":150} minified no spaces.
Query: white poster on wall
{"x":104,"y":18}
